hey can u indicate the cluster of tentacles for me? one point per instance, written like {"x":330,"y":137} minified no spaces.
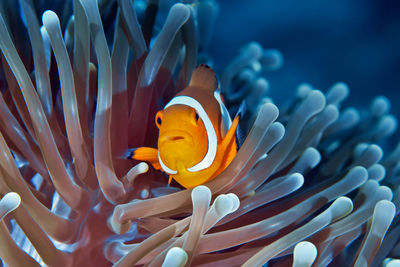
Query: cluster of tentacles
{"x":309,"y":184}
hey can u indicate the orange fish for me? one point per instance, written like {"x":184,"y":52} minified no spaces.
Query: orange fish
{"x":196,"y":135}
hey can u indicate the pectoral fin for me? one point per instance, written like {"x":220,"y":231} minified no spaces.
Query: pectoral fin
{"x":148,"y":154}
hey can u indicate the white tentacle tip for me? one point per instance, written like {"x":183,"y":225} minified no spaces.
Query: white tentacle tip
{"x":389,"y":262}
{"x":49,"y":16}
{"x":140,"y":168}
{"x":341,"y":207}
{"x":116,"y":227}
{"x":304,"y":254}
{"x":303,"y":90}
{"x":201,"y":192}
{"x":376,"y":172}
{"x":235,"y":200}
{"x":176,"y":257}
{"x":382,"y":217}
{"x":359,"y":150}
{"x":338,"y":92}
{"x":380,"y":106}
{"x":313,"y":155}
{"x":8,"y":203}
{"x":297,"y":178}
{"x":225,"y":204}
{"x":385,"y":193}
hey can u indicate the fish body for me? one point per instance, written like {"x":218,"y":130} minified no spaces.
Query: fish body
{"x":196,"y":135}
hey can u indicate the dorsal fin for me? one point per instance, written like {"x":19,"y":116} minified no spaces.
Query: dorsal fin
{"x":204,"y":77}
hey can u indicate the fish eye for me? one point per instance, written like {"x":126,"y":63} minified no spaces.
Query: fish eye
{"x":197,"y":116}
{"x":159,"y":119}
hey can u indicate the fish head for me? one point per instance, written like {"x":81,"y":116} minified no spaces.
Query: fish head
{"x":182,"y":136}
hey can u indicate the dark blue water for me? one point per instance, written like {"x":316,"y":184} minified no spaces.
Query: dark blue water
{"x":357,"y":42}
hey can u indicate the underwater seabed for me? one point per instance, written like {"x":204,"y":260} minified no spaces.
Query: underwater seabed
{"x":310,"y":185}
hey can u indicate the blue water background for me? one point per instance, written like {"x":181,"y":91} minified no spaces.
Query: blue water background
{"x":323,"y":42}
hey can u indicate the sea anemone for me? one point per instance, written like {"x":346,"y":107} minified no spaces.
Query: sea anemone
{"x":309,"y":184}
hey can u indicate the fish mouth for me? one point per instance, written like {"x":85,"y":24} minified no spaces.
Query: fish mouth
{"x":174,"y":136}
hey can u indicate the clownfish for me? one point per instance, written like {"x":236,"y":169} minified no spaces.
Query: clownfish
{"x":197,"y":138}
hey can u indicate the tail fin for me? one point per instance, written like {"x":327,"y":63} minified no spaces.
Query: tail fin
{"x":204,"y":77}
